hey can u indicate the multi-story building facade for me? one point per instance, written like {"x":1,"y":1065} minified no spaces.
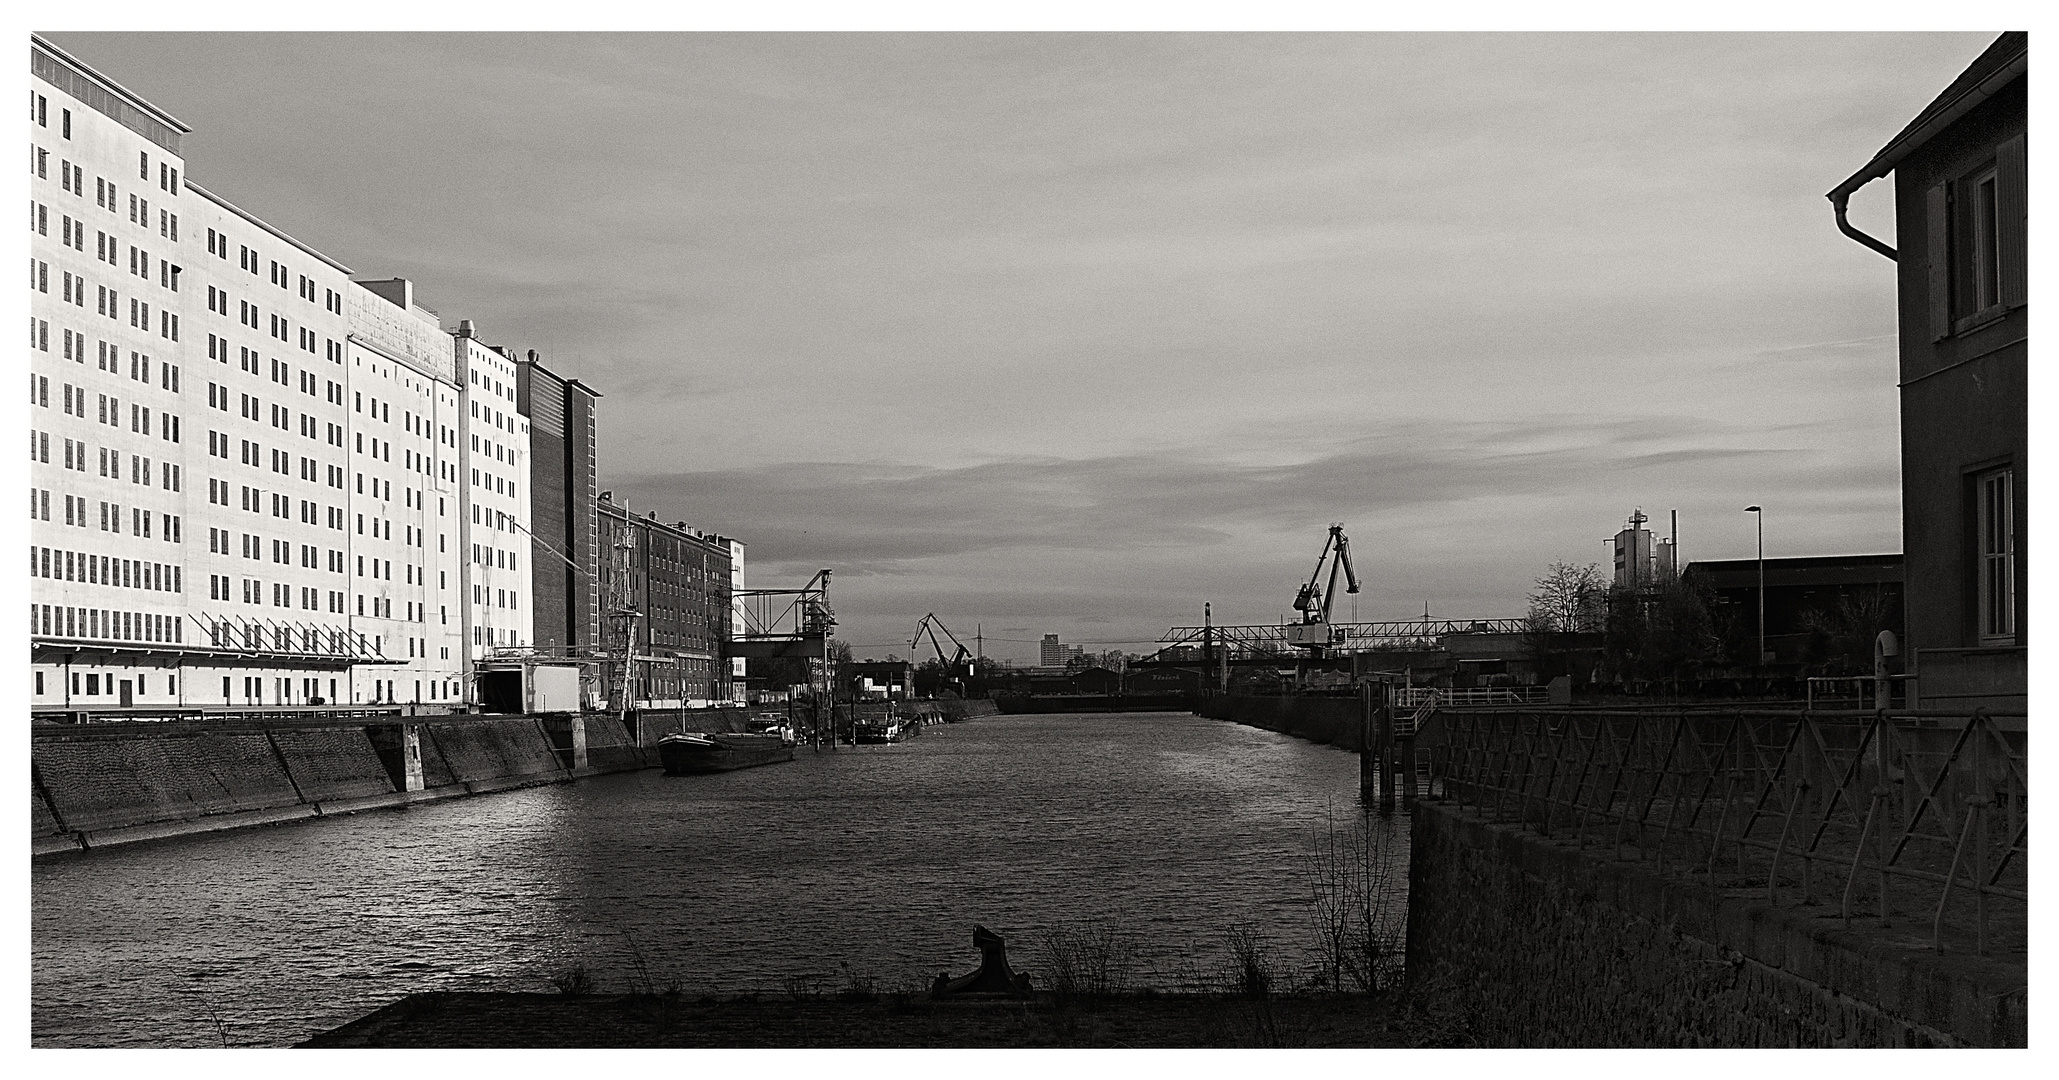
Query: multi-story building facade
{"x":739,"y":689}
{"x":677,"y":582}
{"x":497,"y":591}
{"x":245,"y":467}
{"x":267,"y":453}
{"x":258,"y":481}
{"x":108,"y":571}
{"x":405,"y":528}
{"x":186,"y":391}
{"x":564,"y":501}
{"x":1961,"y":208}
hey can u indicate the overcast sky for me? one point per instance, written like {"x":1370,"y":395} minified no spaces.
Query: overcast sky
{"x":1072,"y":333}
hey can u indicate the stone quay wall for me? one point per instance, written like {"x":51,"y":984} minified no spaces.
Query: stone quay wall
{"x":99,"y":785}
{"x":1331,"y":720}
{"x":1546,"y":944}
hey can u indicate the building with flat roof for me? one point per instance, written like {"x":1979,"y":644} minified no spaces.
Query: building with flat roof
{"x":1804,"y":597}
{"x":497,"y":589}
{"x":676,"y":581}
{"x":250,"y":472}
{"x":404,"y":523}
{"x":564,"y":506}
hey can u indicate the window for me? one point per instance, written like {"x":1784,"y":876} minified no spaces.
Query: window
{"x":1995,"y":496}
{"x":1976,"y":239}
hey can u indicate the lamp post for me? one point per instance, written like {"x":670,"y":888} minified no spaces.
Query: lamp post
{"x":1759,"y":515}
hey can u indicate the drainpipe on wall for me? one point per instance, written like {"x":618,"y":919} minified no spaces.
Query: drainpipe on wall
{"x":1840,"y":200}
{"x":1891,"y":155}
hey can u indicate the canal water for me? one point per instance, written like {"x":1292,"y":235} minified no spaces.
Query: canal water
{"x":866,"y":863}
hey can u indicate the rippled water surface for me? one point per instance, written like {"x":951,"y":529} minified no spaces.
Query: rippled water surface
{"x":878,"y":858}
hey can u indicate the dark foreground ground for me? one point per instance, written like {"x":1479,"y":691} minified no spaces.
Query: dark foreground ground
{"x":506,"y":1020}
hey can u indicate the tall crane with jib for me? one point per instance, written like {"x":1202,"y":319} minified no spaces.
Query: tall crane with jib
{"x":958,"y":667}
{"x":1313,"y":601}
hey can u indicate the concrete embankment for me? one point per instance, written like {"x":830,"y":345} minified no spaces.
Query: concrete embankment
{"x":98,"y":785}
{"x":1332,"y":720}
{"x":966,"y":708}
{"x":1545,"y":943}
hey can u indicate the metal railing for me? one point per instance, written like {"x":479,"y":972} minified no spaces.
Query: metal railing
{"x":1903,"y":815}
{"x":1411,"y":697}
{"x":1829,"y":691}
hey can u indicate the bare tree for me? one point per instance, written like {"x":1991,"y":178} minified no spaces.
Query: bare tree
{"x":1568,"y":600}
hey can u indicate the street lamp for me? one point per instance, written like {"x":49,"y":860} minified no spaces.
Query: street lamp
{"x":1759,"y":515}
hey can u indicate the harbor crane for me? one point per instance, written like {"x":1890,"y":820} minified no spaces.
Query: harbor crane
{"x":958,"y":667}
{"x":1314,"y":600}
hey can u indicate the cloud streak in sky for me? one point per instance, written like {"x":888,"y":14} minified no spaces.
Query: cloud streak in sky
{"x":1089,"y":329}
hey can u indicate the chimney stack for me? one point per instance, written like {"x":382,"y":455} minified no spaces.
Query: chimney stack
{"x":465,"y":328}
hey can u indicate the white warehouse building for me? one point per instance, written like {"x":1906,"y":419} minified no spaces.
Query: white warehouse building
{"x":254,"y":481}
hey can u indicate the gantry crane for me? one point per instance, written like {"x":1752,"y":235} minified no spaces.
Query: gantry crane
{"x":958,"y":667}
{"x":1313,"y":601}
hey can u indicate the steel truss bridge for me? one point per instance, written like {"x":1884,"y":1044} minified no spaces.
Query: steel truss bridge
{"x":1271,"y":639}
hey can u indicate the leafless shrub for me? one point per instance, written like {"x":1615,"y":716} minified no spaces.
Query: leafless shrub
{"x":573,"y":981}
{"x":1357,"y":916}
{"x":1092,"y":959}
{"x":800,"y":987}
{"x":1251,"y":971}
{"x":857,"y":986}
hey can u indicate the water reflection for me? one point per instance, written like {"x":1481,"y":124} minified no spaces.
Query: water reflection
{"x":879,"y":858}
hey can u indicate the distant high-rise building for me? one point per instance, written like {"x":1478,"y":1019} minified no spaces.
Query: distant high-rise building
{"x":1051,"y":651}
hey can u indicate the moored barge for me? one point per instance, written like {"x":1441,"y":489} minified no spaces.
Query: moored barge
{"x":690,"y":752}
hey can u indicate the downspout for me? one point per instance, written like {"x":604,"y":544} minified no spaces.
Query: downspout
{"x":1840,"y":200}
{"x":1891,"y":155}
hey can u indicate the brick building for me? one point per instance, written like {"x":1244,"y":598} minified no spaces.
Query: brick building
{"x":678,"y":584}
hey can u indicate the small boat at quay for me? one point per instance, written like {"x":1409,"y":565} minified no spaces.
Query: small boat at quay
{"x":689,"y":752}
{"x":878,"y":730}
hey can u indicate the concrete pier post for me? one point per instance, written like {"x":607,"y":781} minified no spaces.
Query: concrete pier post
{"x":411,"y":756}
{"x":578,"y":741}
{"x":1383,"y":738}
{"x":1368,"y":763}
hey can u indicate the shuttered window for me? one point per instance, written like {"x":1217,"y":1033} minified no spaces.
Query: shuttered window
{"x":1977,"y":268}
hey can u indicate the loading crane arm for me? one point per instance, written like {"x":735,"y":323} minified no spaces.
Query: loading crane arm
{"x":1315,"y":598}
{"x":930,"y":624}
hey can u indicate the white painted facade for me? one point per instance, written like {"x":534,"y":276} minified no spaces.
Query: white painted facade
{"x":246,"y":470}
{"x":497,"y":584}
{"x":404,"y":524}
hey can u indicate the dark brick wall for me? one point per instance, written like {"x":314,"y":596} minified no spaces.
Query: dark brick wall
{"x":547,"y":510}
{"x":479,"y":750}
{"x":1542,"y":944}
{"x":174,"y":783}
{"x":582,"y":496}
{"x":328,"y":765}
{"x":99,"y":784}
